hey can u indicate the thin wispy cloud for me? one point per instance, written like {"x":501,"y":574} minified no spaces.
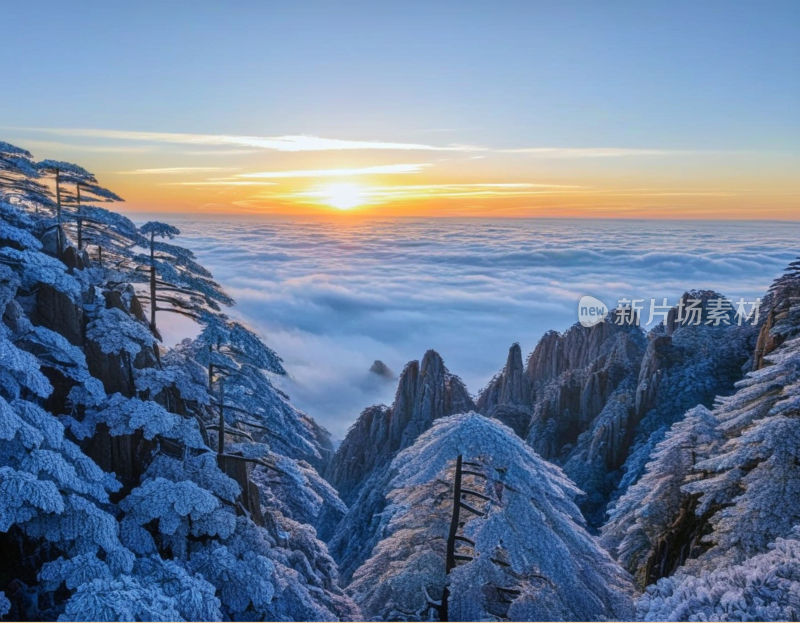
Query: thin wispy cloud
{"x":218,"y":152}
{"x":435,"y":130}
{"x":221,"y":183}
{"x":289,"y":143}
{"x":679,"y":194}
{"x":594,"y":152}
{"x":388,"y":169}
{"x":388,"y":194}
{"x":302,"y":142}
{"x":173,"y":170}
{"x":57,"y":146}
{"x":375,"y":195}
{"x":511,"y":185}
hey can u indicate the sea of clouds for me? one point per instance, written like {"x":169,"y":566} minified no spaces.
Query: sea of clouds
{"x":333,"y":297}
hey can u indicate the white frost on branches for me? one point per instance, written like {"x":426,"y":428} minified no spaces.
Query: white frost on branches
{"x":115,"y":331}
{"x":532,"y":526}
{"x":763,"y":588}
{"x":644,"y":514}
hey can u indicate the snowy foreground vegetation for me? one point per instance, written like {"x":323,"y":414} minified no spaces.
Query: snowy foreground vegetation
{"x":615,"y":475}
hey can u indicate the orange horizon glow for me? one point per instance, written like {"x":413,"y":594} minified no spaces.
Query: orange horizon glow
{"x":317,"y":177}
{"x":357,"y":197}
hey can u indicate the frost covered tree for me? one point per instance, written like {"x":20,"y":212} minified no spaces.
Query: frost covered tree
{"x":176,"y":280}
{"x":88,"y":189}
{"x":124,"y":416}
{"x":749,"y":487}
{"x":297,"y":490}
{"x":19,"y":179}
{"x":115,"y":238}
{"x":685,"y":364}
{"x":250,"y":421}
{"x":644,"y":515}
{"x":239,"y":361}
{"x":68,"y":175}
{"x":514,"y":550}
{"x":36,"y":269}
{"x":175,"y":540}
{"x":754,"y":479}
{"x":49,"y":489}
{"x":157,"y":590}
{"x":62,"y":171}
{"x":762,"y":588}
{"x":21,"y":184}
{"x":55,"y":500}
{"x":95,"y":193}
{"x":186,"y":509}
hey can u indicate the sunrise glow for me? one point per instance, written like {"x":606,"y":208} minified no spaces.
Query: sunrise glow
{"x":567,"y":123}
{"x":342,"y":196}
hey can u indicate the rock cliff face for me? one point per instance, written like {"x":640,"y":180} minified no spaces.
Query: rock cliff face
{"x":577,"y":348}
{"x":571,"y":397}
{"x":362,"y":450}
{"x":779,"y":315}
{"x":592,"y":400}
{"x":56,"y":311}
{"x":767,"y":341}
{"x":573,"y":372}
{"x":583,"y":396}
{"x":508,"y":395}
{"x":664,"y":350}
{"x":511,"y":387}
{"x":426,"y":391}
{"x":599,"y":359}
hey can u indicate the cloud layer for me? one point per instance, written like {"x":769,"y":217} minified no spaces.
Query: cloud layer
{"x":386,"y":169}
{"x":303,"y":142}
{"x":332,"y":298}
{"x":299,"y":142}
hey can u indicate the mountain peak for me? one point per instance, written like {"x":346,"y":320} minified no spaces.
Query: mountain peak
{"x":426,"y":391}
{"x":508,"y":395}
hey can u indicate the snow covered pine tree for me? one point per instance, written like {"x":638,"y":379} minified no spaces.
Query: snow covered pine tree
{"x":749,"y":489}
{"x":112,"y":503}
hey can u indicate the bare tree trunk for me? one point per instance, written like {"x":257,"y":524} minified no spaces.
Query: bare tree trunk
{"x":221,"y":444}
{"x":80,"y":219}
{"x":58,"y":194}
{"x":210,"y":367}
{"x":450,"y":560}
{"x":152,"y":282}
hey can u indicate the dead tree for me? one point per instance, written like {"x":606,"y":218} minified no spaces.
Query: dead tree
{"x":463,"y":499}
{"x":452,"y":558}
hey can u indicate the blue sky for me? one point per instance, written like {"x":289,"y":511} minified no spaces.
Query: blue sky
{"x":695,"y":76}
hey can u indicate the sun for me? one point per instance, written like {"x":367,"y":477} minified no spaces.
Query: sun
{"x":342,"y":196}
